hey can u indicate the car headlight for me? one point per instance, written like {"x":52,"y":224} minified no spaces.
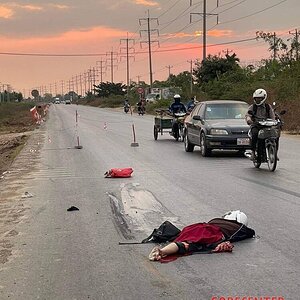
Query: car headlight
{"x":218,"y":132}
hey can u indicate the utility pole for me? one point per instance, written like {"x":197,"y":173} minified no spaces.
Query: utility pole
{"x":296,"y":41}
{"x":169,"y":67}
{"x":129,"y":50}
{"x":76,"y":84}
{"x":89,"y":79}
{"x":69,"y":86}
{"x":101,"y":67}
{"x":204,"y":14}
{"x":95,"y":74}
{"x":112,"y":59}
{"x":62,"y":88}
{"x":191,"y":72}
{"x":149,"y":42}
{"x":227,"y":51}
{"x":275,"y":50}
{"x":85,"y":74}
{"x":80,"y":83}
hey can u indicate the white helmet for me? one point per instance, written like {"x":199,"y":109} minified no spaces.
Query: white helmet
{"x":236,"y":215}
{"x":259,"y":96}
{"x":177,"y":96}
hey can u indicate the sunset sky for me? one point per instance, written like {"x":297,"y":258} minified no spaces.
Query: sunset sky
{"x":93,"y":27}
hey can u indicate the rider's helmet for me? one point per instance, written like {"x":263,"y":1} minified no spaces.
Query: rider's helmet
{"x":177,"y":98}
{"x":259,"y":96}
{"x":236,"y":215}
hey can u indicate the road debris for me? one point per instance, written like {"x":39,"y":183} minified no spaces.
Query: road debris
{"x":72,"y":208}
{"x":27,"y":195}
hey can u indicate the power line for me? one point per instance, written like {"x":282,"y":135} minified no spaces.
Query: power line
{"x":258,"y":12}
{"x":138,"y":52}
{"x":51,"y":54}
{"x":169,"y":8}
{"x":211,"y":45}
{"x":182,"y":14}
{"x":221,"y":23}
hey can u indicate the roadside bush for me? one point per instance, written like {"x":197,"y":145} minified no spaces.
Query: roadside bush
{"x":113,"y":101}
{"x":160,"y":104}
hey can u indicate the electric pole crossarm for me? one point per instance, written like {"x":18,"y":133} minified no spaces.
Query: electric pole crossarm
{"x":152,"y":42}
{"x":148,"y":20}
{"x":151,"y":30}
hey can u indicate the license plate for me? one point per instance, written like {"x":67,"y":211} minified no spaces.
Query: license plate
{"x":243,"y":141}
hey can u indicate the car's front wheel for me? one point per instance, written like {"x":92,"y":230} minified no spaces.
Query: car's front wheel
{"x":188,"y":147}
{"x":203,"y":146}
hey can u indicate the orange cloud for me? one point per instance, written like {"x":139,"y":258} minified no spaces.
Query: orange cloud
{"x":178,"y":35}
{"x":219,"y":33}
{"x":215,"y":33}
{"x":86,"y":40}
{"x":30,"y":7}
{"x":146,"y":2}
{"x":59,"y":6}
{"x":5,"y":12}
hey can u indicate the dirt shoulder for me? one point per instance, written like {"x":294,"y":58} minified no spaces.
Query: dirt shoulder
{"x":16,"y":125}
{"x":10,"y":146}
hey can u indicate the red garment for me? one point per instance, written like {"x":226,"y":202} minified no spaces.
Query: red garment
{"x":201,"y":233}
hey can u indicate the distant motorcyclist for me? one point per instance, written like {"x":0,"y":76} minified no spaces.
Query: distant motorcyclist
{"x":259,"y":110}
{"x":126,"y":105}
{"x":191,"y":104}
{"x":141,"y":106}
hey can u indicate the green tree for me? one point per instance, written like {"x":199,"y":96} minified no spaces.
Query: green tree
{"x":214,"y":66}
{"x":106,"y":89}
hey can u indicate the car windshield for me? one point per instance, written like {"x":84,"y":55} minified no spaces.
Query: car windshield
{"x":226,"y":111}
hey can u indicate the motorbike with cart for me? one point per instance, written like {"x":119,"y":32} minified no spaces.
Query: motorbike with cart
{"x":166,"y":120}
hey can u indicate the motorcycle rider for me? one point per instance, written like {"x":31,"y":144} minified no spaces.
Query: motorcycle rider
{"x":176,"y":107}
{"x":258,"y":110}
{"x":141,"y":106}
{"x":126,"y":105}
{"x":191,"y":104}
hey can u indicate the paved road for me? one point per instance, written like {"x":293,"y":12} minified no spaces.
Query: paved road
{"x":55,"y":254}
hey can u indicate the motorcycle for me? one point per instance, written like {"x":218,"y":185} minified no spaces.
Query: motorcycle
{"x":141,"y":110}
{"x":268,"y":141}
{"x":126,"y":108}
{"x":178,"y":126}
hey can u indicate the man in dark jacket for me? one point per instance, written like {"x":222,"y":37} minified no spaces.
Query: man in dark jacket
{"x":177,"y":106}
{"x":259,"y":110}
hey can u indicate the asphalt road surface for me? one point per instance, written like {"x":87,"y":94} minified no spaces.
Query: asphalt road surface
{"x":49,"y":253}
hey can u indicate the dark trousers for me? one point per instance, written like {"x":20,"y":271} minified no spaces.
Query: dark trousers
{"x":254,"y":137}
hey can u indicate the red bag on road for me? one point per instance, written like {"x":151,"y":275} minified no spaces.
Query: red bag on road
{"x":121,"y":173}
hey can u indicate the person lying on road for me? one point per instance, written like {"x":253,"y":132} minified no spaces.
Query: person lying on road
{"x":213,"y":236}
